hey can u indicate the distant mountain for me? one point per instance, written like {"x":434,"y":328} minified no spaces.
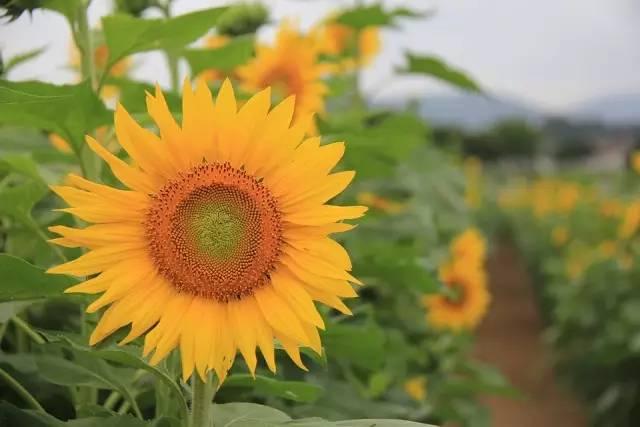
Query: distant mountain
{"x":622,"y":109}
{"x":471,"y":111}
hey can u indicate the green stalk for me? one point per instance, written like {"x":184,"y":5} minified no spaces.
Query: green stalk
{"x":23,"y":392}
{"x":24,"y":327}
{"x":84,"y":41}
{"x":203,"y":393}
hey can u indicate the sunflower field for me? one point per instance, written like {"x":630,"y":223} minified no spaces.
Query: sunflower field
{"x":153,"y":239}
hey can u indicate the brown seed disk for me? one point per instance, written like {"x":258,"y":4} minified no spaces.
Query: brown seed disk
{"x":214,"y":232}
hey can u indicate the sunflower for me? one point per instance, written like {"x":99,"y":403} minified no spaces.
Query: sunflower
{"x":291,"y":67}
{"x":59,"y":143}
{"x":469,"y":246}
{"x":416,"y":388}
{"x":215,"y":42}
{"x":336,"y":39}
{"x":465,"y":301}
{"x":101,"y":60}
{"x":221,"y":240}
{"x":559,"y":235}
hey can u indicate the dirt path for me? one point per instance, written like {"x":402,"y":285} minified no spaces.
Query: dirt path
{"x":510,"y":338}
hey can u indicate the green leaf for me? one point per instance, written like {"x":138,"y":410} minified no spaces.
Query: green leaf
{"x":125,"y":34}
{"x":22,"y":164}
{"x":435,"y":67}
{"x":380,"y":423}
{"x":69,"y":8}
{"x":24,"y":281}
{"x":123,"y":355}
{"x":17,"y":202}
{"x":360,"y":345}
{"x":292,"y":390}
{"x":241,"y":414}
{"x":237,"y":52}
{"x":374,"y":15}
{"x":85,"y":371}
{"x":68,"y":110}
{"x":21,"y":58}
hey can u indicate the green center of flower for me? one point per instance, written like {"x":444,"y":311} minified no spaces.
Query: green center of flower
{"x":215,"y":232}
{"x":216,"y":229}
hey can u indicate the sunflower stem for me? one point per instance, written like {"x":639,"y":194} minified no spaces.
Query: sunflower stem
{"x":84,"y":41}
{"x":20,"y":390}
{"x":203,"y":393}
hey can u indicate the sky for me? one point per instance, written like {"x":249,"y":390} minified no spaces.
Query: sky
{"x":552,"y":54}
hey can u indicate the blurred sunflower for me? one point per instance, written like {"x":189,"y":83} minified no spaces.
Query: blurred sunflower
{"x":221,"y":241}
{"x":101,"y":61}
{"x":559,"y":235}
{"x":380,"y":203}
{"x":215,"y":42}
{"x":59,"y":143}
{"x":290,"y":67}
{"x":469,"y":246}
{"x":416,"y":388}
{"x":465,"y":301}
{"x":358,"y":48}
{"x":635,"y":161}
{"x":630,"y":221}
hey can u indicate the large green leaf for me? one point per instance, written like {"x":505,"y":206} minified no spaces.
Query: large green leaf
{"x":379,"y":423}
{"x":437,"y":68}
{"x":292,"y":390}
{"x":125,"y":34}
{"x":22,"y":164}
{"x":360,"y":345}
{"x":124,"y":355}
{"x":242,"y":414}
{"x":20,"y":280}
{"x":85,"y":371}
{"x":373,"y":15}
{"x":11,"y":416}
{"x":18,"y":201}
{"x":237,"y":52}
{"x":68,"y":110}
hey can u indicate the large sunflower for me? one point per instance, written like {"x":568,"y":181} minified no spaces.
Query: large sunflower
{"x":221,"y":241}
{"x":291,"y":67}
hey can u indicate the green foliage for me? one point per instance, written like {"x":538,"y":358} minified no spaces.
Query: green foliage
{"x":438,"y":69}
{"x":53,"y":108}
{"x":237,"y":52}
{"x":126,"y":35}
{"x":373,"y":16}
{"x":23,"y":281}
{"x":243,"y":18}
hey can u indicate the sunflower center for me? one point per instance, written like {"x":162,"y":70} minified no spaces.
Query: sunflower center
{"x":214,"y":232}
{"x":455,"y":294}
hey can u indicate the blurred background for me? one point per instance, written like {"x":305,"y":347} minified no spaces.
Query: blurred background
{"x":545,"y":147}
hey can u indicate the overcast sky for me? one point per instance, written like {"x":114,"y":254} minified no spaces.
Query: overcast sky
{"x":551,"y":53}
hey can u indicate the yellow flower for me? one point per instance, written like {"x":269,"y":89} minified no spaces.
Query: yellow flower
{"x":100,"y":61}
{"x":466,"y":299}
{"x":337,"y":39}
{"x":291,"y":67}
{"x":215,"y":42}
{"x":631,"y":221}
{"x":611,"y":208}
{"x":416,"y":388}
{"x":635,"y":161}
{"x":380,"y":203}
{"x":473,"y":174}
{"x":568,"y":195}
{"x":59,"y":143}
{"x":559,"y":235}
{"x":470,"y":246}
{"x":221,"y":240}
{"x":608,"y":248}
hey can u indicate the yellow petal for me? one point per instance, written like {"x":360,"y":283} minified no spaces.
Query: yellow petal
{"x":289,"y":289}
{"x":243,"y":324}
{"x":326,"y":214}
{"x":279,"y":314}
